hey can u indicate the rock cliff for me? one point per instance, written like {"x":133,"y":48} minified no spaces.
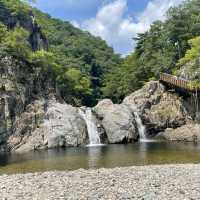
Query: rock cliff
{"x":60,"y":126}
{"x":37,"y":38}
{"x":159,"y":108}
{"x":33,"y":116}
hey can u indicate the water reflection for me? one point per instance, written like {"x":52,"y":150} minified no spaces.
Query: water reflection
{"x":94,"y":155}
{"x":143,"y":149}
{"x":101,"y":156}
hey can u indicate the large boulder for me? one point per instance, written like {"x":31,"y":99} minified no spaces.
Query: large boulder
{"x":159,"y":109}
{"x":186,"y":133}
{"x":117,"y":120}
{"x":144,"y":98}
{"x":62,"y":126}
{"x":65,"y":126}
{"x":167,"y":113}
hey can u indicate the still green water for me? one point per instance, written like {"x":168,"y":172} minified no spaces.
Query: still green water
{"x":101,"y":156}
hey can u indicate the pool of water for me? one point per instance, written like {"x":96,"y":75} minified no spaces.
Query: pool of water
{"x":109,"y":156}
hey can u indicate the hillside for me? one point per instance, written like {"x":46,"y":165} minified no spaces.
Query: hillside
{"x":78,"y":61}
{"x":166,"y":47}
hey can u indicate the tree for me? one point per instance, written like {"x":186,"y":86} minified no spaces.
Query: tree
{"x":193,"y":53}
{"x":124,"y":79}
{"x":76,"y":86}
{"x":157,"y":50}
{"x":68,"y":48}
{"x":16,"y":43}
{"x":3,"y":32}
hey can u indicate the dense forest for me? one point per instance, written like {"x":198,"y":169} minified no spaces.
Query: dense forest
{"x":83,"y":67}
{"x":166,"y":47}
{"x":76,"y":60}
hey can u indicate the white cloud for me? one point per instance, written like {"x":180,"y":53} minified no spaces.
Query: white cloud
{"x":112,"y":24}
{"x":156,"y":10}
{"x":75,"y":24}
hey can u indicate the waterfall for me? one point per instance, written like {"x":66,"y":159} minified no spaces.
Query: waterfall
{"x":196,"y":104}
{"x":140,"y":126}
{"x":87,"y":115}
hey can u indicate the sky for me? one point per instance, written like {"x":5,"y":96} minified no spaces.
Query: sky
{"x":116,"y":21}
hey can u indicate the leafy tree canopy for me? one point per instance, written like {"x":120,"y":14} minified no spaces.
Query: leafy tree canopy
{"x":158,"y":50}
{"x":78,"y":61}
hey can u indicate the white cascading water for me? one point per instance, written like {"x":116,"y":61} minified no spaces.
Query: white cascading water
{"x":140,"y":126}
{"x":94,"y":138}
{"x":196,"y":104}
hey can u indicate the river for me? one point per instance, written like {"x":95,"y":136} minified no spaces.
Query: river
{"x":108,"y":156}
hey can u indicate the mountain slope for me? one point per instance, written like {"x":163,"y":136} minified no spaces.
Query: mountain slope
{"x":80,"y":60}
{"x":157,"y":50}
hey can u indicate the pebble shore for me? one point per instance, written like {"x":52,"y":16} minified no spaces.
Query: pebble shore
{"x":145,"y":182}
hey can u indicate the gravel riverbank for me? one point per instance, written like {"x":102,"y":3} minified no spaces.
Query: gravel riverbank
{"x":146,"y":182}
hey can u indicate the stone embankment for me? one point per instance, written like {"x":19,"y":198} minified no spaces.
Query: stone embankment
{"x":147,"y":182}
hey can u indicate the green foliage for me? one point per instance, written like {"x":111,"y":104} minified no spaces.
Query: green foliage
{"x":80,"y":84}
{"x":195,"y":83}
{"x":154,"y":50}
{"x":16,"y":43}
{"x":3,"y":32}
{"x":79,"y":49}
{"x":84,"y":68}
{"x":17,"y":8}
{"x":43,"y":58}
{"x":158,"y":50}
{"x":191,"y":62}
{"x":122,"y":81}
{"x":193,"y":53}
{"x":77,"y":60}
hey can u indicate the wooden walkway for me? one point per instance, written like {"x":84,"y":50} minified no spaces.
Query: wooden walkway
{"x":176,"y":82}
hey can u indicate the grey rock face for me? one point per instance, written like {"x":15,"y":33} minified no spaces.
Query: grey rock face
{"x":62,"y":126}
{"x":26,"y":124}
{"x":186,"y":133}
{"x":29,"y":118}
{"x":159,"y":108}
{"x":37,"y":39}
{"x":144,"y":98}
{"x":117,"y":121}
{"x":168,"y":113}
{"x":22,"y":87}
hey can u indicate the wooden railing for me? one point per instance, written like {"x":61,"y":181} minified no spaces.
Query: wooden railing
{"x":178,"y":82}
